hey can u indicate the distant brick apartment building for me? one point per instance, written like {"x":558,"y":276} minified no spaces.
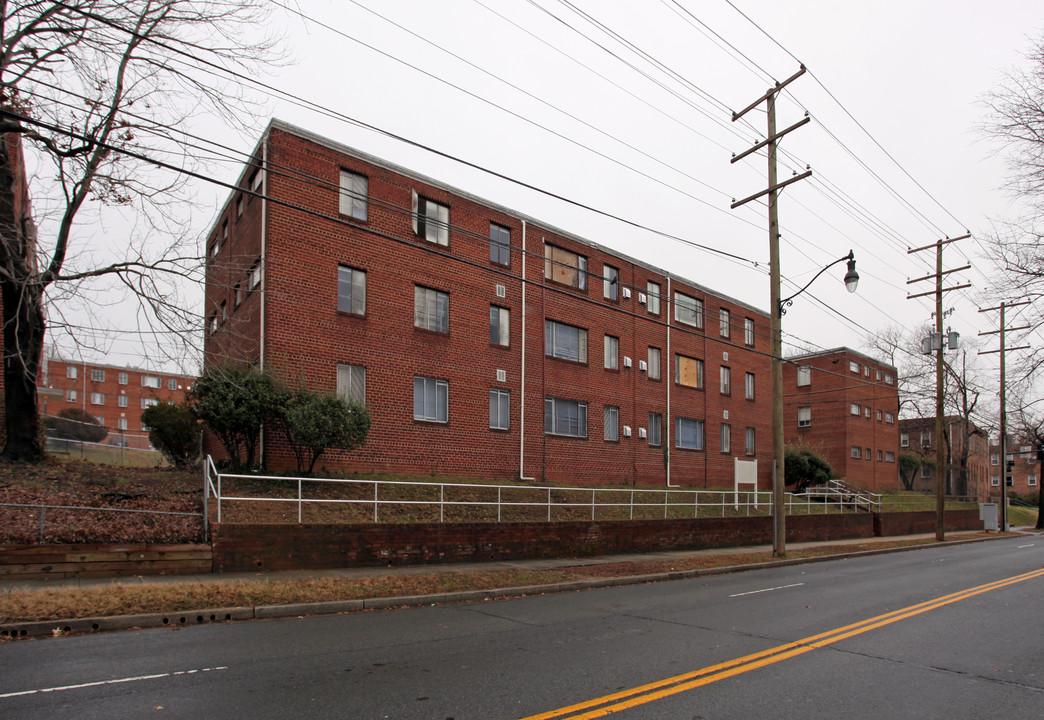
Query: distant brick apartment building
{"x":917,"y":436}
{"x":485,"y":343}
{"x":116,"y":396}
{"x":845,"y":405}
{"x":1025,"y":470}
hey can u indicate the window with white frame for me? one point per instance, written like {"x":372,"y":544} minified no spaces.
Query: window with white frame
{"x":97,"y":398}
{"x":97,"y":375}
{"x":121,"y":423}
{"x":172,"y":383}
{"x":652,"y":291}
{"x":351,"y":383}
{"x":564,"y":267}
{"x":430,"y":309}
{"x":610,"y":282}
{"x":121,"y":400}
{"x":724,"y":323}
{"x":904,"y":439}
{"x":654,"y":363}
{"x":150,"y":381}
{"x":804,"y":375}
{"x":889,"y":380}
{"x":612,"y":353}
{"x":748,"y":383}
{"x":856,"y":452}
{"x":565,"y":417}
{"x":889,"y":418}
{"x":726,"y":438}
{"x":804,"y":416}
{"x":749,"y":445}
{"x":688,"y":310}
{"x":1027,"y":452}
{"x":430,"y":399}
{"x":565,"y":342}
{"x":688,"y":433}
{"x":499,"y":244}
{"x":254,"y":275}
{"x":430,"y":220}
{"x":866,"y":412}
{"x":878,"y":376}
{"x":880,"y":416}
{"x":748,"y":332}
{"x":237,"y":294}
{"x":890,"y":456}
{"x":926,"y":438}
{"x":499,"y":409}
{"x":926,"y":471}
{"x":148,"y":402}
{"x":257,"y":178}
{"x":70,"y":396}
{"x":354,"y":192}
{"x":1031,"y":480}
{"x":855,"y":408}
{"x":880,"y":456}
{"x":726,"y":380}
{"x":655,"y":428}
{"x":688,"y":371}
{"x":239,"y":206}
{"x":853,"y":366}
{"x":71,"y":372}
{"x":866,"y":371}
{"x":611,"y":418}
{"x":123,"y":378}
{"x":499,"y":326}
{"x":995,"y":480}
{"x":995,"y":459}
{"x":351,"y":290}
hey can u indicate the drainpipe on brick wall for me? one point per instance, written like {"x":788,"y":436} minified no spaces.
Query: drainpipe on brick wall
{"x":264,"y":279}
{"x":670,"y":380}
{"x":522,"y":413}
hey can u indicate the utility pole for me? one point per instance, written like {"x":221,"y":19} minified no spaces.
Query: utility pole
{"x":940,"y":456}
{"x":1003,"y":408}
{"x":779,"y":533}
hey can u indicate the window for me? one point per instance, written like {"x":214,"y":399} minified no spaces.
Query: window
{"x":724,"y":321}
{"x":430,"y":220}
{"x":70,"y":396}
{"x":748,"y":332}
{"x":150,"y":381}
{"x":354,"y":189}
{"x":612,"y":353}
{"x":97,"y":398}
{"x":565,"y":341}
{"x":853,"y":366}
{"x":749,"y":385}
{"x":239,"y":206}
{"x":499,"y":326}
{"x":562,"y":266}
{"x":71,"y":372}
{"x":430,"y":309}
{"x":1027,"y":452}
{"x":499,"y":244}
{"x":726,"y":438}
{"x":351,"y":383}
{"x":926,"y":472}
{"x":565,"y":417}
{"x":610,"y":282}
{"x":430,"y":399}
{"x":654,"y":363}
{"x":653,"y":303}
{"x":866,"y":412}
{"x":655,"y":426}
{"x":148,"y":402}
{"x":995,"y":480}
{"x":612,"y":423}
{"x":926,"y":438}
{"x":688,"y":310}
{"x":211,"y":323}
{"x":254,"y":275}
{"x":499,"y":409}
{"x":726,"y":380}
{"x":866,"y":455}
{"x":866,"y":370}
{"x":688,"y":371}
{"x":880,"y":456}
{"x":890,"y":457}
{"x":351,"y":290}
{"x":805,"y":416}
{"x":878,"y":376}
{"x":904,"y":439}
{"x":256,"y":180}
{"x":889,"y":380}
{"x":123,"y":378}
{"x":994,"y":459}
{"x":879,"y":415}
{"x":121,"y":400}
{"x":1031,"y":480}
{"x":889,"y":418}
{"x":238,"y":294}
{"x":854,"y":409}
{"x":97,"y":375}
{"x":121,"y":424}
{"x":749,"y":449}
{"x":689,"y":434}
{"x":224,"y":312}
{"x":856,"y":452}
{"x":804,"y":375}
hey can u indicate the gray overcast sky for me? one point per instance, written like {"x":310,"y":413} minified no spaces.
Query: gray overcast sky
{"x":540,"y":92}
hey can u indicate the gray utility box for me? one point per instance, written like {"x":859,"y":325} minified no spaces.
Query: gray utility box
{"x":988,"y":515}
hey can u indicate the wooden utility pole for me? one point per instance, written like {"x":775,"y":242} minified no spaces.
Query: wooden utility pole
{"x":1003,"y":405}
{"x":937,"y":340}
{"x":779,"y":532}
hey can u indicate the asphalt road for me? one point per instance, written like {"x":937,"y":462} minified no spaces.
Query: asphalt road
{"x":974,"y":653}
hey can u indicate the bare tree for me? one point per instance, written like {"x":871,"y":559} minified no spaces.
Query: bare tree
{"x":1031,"y":427}
{"x":100,"y":92}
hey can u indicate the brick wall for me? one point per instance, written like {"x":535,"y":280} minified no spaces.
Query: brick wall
{"x":910,"y":523}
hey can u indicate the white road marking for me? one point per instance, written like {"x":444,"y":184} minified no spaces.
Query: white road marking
{"x":110,"y":682}
{"x":755,"y":592}
{"x":1025,"y":546}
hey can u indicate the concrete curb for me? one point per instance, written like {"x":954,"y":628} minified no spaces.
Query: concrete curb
{"x":189,"y":618}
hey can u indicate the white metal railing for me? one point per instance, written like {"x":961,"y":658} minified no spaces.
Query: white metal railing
{"x":845,"y":495}
{"x":449,"y":496}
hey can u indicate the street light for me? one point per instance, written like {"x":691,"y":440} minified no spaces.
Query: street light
{"x":779,"y":533}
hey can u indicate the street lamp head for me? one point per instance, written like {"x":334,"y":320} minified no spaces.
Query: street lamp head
{"x":851,"y":277}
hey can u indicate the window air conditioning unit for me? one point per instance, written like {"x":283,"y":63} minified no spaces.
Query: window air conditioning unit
{"x":501,"y":375}
{"x":501,"y":291}
{"x":641,"y":298}
{"x":625,"y":293}
{"x":627,"y":362}
{"x":642,"y":365}
{"x":642,"y":433}
{"x":627,"y":430}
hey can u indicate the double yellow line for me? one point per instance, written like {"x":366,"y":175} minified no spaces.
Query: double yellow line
{"x":600,"y":707}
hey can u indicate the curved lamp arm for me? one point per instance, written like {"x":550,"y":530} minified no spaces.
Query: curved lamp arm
{"x":851,"y":281}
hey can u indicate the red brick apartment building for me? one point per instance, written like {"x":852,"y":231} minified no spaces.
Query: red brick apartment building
{"x":917,"y":436}
{"x":115,"y":395}
{"x":485,"y":343}
{"x":1025,"y":470}
{"x":845,"y":405}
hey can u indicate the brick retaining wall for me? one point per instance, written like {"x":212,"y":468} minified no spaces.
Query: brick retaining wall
{"x":910,"y":523}
{"x":41,"y":562}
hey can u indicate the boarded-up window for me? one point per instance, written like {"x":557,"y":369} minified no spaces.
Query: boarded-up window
{"x":562,"y":266}
{"x":688,"y":371}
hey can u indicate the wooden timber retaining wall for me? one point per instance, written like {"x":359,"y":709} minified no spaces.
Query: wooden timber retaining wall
{"x":41,"y":562}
